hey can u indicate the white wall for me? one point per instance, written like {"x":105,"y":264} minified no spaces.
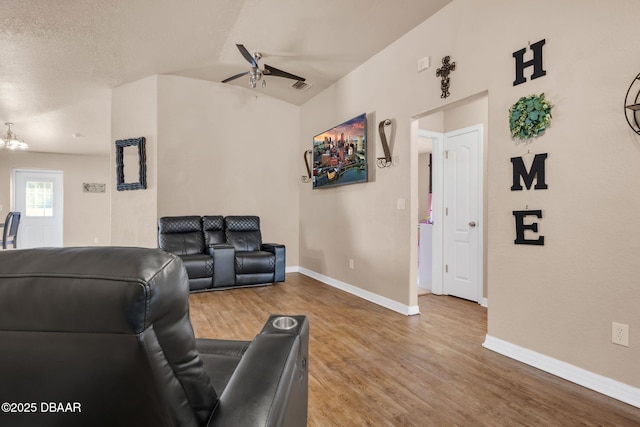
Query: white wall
{"x":86,"y":215}
{"x":558,"y":299}
{"x":134,"y":108}
{"x":224,"y":150}
{"x":212,"y":149}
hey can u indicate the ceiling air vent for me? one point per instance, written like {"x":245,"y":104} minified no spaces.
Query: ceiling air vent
{"x":301,"y":86}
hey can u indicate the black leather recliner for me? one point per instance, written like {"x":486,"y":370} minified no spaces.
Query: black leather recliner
{"x":102,"y":337}
{"x":255,"y":262}
{"x":222,"y":252}
{"x":183,"y":236}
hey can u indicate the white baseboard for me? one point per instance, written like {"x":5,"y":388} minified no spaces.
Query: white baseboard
{"x":359,"y":292}
{"x":607,"y":386}
{"x":484,"y":302}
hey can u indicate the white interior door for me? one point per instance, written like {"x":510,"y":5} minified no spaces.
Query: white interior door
{"x":462,"y":233}
{"x":38,"y":196}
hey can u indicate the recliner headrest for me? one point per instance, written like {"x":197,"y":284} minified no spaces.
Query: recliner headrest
{"x":179,"y":224}
{"x":242,"y":223}
{"x":113,"y":290}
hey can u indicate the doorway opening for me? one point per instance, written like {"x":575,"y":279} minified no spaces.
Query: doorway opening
{"x":38,"y":195}
{"x":451,"y":243}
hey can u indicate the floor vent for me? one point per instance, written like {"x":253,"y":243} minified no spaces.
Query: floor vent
{"x":301,"y":86}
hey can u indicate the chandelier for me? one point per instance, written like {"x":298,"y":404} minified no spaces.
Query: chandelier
{"x":10,"y":140}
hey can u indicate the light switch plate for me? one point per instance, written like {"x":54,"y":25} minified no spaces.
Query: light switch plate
{"x":424,"y":63}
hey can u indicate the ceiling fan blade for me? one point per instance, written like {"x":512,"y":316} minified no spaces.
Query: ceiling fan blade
{"x":235,"y":77}
{"x":243,"y":50}
{"x":279,"y":73}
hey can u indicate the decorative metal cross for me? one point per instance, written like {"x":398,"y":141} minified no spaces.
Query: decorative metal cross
{"x":444,"y":73}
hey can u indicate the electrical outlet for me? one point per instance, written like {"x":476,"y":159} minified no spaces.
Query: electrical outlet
{"x":620,"y":334}
{"x":351,"y":264}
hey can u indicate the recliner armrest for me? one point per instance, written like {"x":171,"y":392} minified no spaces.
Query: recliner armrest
{"x":224,"y":267}
{"x":280,"y":252}
{"x":270,"y":385}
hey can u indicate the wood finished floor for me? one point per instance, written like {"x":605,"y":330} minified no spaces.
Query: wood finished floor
{"x":369,"y":366}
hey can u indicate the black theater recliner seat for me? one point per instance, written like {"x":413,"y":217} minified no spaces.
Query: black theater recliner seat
{"x":255,"y":262}
{"x":191,"y":238}
{"x":222,"y":252}
{"x":102,"y":337}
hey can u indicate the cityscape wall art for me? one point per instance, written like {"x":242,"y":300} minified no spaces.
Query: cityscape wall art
{"x":340,"y":154}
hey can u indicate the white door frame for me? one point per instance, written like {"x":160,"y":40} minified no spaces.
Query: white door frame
{"x":437,"y":279}
{"x":437,"y":187}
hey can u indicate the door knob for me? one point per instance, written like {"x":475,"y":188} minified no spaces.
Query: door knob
{"x":472,"y":224}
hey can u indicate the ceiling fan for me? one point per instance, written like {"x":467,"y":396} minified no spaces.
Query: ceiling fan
{"x":255,"y":73}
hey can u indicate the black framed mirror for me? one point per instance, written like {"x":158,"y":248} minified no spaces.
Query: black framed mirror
{"x":127,"y":152}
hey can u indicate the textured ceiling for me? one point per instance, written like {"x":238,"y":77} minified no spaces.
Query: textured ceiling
{"x":60,"y":58}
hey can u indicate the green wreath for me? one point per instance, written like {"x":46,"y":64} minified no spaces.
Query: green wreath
{"x":529,"y":117}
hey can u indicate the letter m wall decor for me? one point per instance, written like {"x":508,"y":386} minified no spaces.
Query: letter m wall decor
{"x":536,"y":171}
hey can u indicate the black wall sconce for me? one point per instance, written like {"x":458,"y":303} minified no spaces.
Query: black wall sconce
{"x":632,"y":104}
{"x":307,"y":178}
{"x":385,"y":161}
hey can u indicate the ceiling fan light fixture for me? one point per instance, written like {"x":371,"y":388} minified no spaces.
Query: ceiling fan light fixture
{"x":256,"y":73}
{"x":254,"y":76}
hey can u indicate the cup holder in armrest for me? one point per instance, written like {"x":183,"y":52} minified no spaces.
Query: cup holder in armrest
{"x":284,"y":323}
